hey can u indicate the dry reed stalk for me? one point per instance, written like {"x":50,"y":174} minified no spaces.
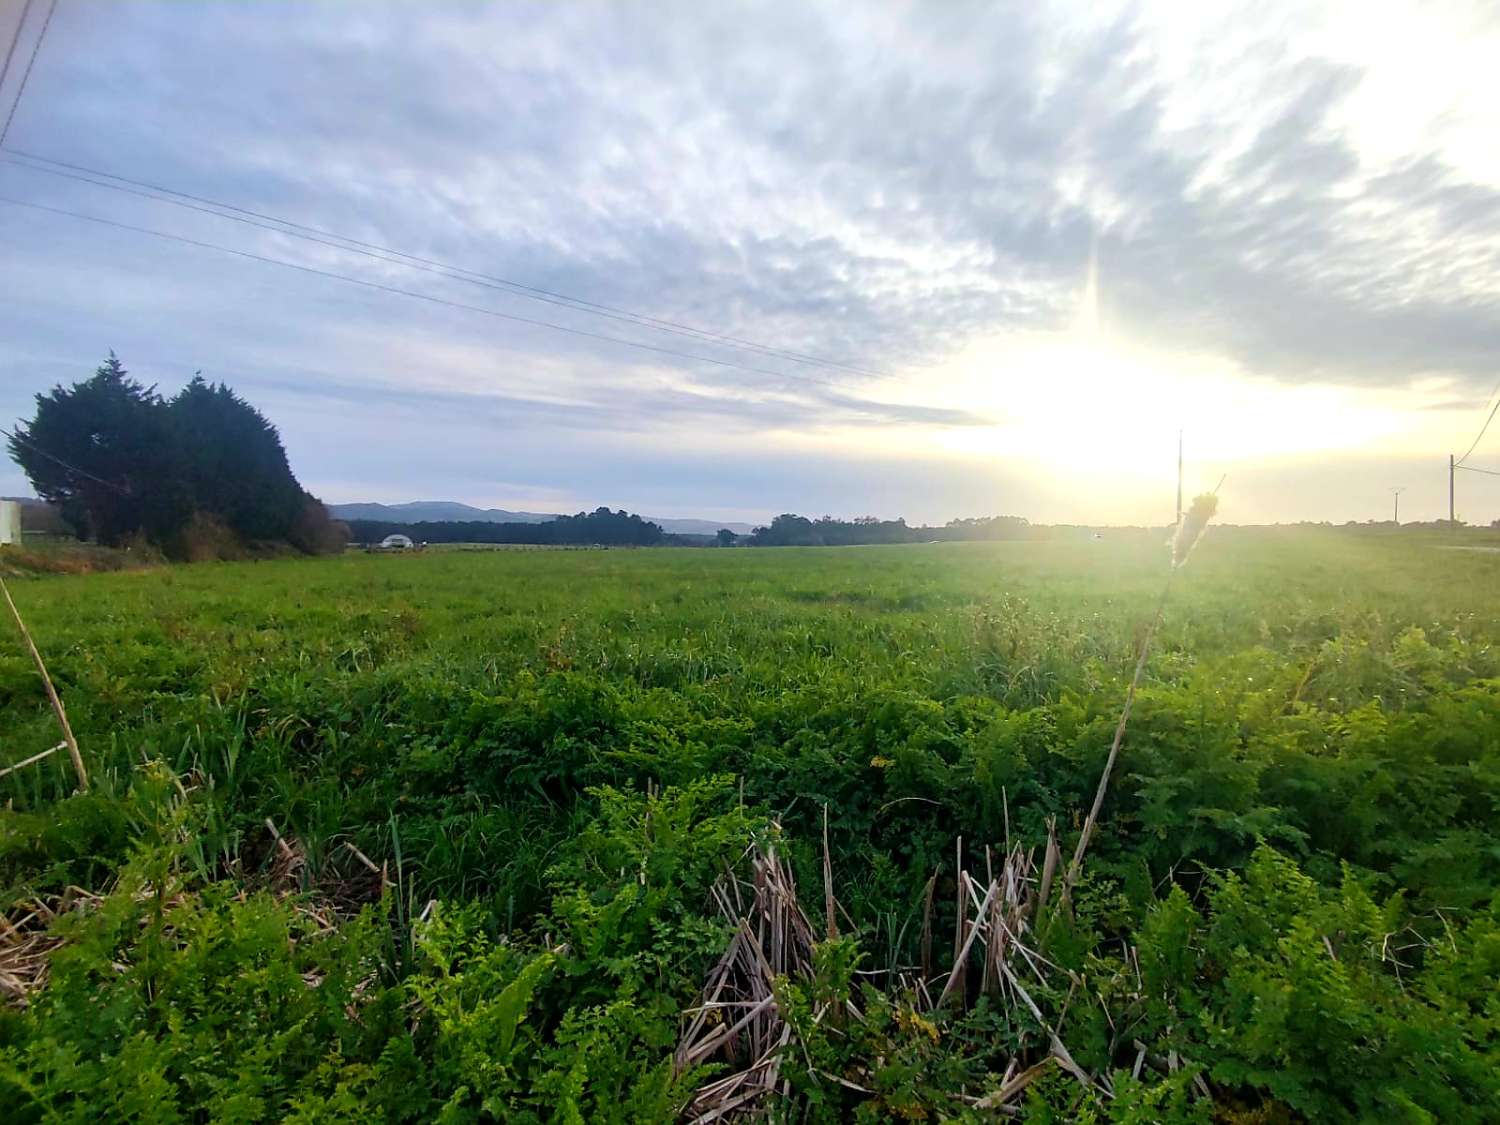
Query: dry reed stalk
{"x":960,"y":914}
{"x":1049,"y":866}
{"x":27,"y":940}
{"x":970,"y":931}
{"x":364,"y":859}
{"x":738,"y":1017}
{"x":31,"y":761}
{"x":1189,"y":531}
{"x":57,"y":707}
{"x":927,"y":927}
{"x":1076,"y":865}
{"x":1014,"y":1085}
{"x":833,"y":929}
{"x":286,"y":870}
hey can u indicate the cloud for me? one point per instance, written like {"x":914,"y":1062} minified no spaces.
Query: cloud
{"x":874,"y":185}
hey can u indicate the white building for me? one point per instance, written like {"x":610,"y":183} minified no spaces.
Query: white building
{"x":10,"y":521}
{"x":396,"y":543}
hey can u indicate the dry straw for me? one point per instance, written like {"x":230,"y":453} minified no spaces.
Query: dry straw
{"x":738,"y":1023}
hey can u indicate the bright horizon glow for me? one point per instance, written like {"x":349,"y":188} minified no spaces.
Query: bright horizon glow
{"x":1089,"y":408}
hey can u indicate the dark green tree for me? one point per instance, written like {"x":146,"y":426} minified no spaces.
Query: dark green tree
{"x":198,"y":476}
{"x":725,"y":537}
{"x":786,"y":530}
{"x":233,"y":461}
{"x":102,"y":452}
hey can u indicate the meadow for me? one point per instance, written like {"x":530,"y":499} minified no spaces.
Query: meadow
{"x":460,"y":836}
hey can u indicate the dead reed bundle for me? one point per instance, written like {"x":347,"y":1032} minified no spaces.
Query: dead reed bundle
{"x":29,"y":934}
{"x":27,"y":939}
{"x":737,"y":1020}
{"x":996,"y":924}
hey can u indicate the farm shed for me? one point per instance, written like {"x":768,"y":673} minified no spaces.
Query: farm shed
{"x":396,"y":543}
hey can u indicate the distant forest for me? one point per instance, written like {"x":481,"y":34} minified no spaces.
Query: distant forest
{"x":603,"y":527}
{"x":600,"y":527}
{"x":798,"y":531}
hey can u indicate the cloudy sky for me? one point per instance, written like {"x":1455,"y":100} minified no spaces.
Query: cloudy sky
{"x":1026,"y":243}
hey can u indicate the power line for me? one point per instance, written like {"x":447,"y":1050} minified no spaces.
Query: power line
{"x":1472,"y":469}
{"x":219,"y":209}
{"x":14,"y":39}
{"x":71,"y":468}
{"x":30,"y":62}
{"x":1496,"y":392}
{"x":453,"y":273}
{"x":411,"y":292}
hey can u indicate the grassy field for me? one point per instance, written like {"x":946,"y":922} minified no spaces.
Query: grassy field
{"x":505,"y":783}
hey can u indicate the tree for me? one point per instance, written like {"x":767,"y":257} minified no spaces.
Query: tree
{"x":100,"y":450}
{"x":786,"y":530}
{"x":233,"y":461}
{"x":725,"y":537}
{"x":197,"y":476}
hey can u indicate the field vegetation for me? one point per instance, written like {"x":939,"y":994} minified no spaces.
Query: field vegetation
{"x":462,"y":836}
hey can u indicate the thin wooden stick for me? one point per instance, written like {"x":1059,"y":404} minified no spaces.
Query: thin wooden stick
{"x":359,"y":855}
{"x":280,"y":843}
{"x":1114,"y":749}
{"x":57,"y":707}
{"x":8,"y":770}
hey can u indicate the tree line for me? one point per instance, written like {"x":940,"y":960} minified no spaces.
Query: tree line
{"x":789,"y":530}
{"x":600,"y":527}
{"x":603,"y":527}
{"x":202,"y":474}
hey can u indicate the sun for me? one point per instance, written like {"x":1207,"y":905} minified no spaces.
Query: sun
{"x":1095,"y":402}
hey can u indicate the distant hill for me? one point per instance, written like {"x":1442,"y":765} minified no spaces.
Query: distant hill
{"x":435,"y":511}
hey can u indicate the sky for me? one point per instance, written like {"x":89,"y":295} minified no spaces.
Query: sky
{"x":1026,"y":243}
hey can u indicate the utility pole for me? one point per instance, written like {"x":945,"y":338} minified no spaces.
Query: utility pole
{"x":1450,"y":490}
{"x":1397,"y":493}
{"x":1179,"y":477}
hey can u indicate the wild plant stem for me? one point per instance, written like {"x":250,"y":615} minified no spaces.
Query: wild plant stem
{"x":57,"y":707}
{"x":1114,"y":750}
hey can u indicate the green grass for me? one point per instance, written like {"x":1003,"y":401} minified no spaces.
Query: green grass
{"x":1325,"y":702}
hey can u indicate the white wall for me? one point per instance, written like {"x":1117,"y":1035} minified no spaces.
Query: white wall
{"x":10,"y":521}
